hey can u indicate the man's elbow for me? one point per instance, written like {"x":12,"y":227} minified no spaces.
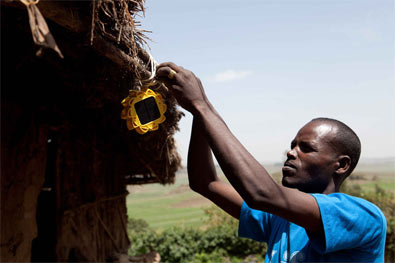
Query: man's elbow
{"x":202,"y":188}
{"x":194,"y":188}
{"x":198,"y":189}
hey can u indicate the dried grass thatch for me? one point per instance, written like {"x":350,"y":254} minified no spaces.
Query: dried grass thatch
{"x":75,"y":186}
{"x":115,"y":34}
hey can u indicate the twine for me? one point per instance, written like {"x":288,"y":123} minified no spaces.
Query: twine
{"x":28,"y":2}
{"x":150,"y":81}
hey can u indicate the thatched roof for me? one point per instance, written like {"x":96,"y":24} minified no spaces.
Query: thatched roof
{"x":86,"y":32}
{"x":108,"y":25}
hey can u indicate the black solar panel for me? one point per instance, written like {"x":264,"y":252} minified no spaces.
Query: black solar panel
{"x":147,"y":110}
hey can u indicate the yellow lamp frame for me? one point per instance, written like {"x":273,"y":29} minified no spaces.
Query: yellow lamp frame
{"x":130,"y":115}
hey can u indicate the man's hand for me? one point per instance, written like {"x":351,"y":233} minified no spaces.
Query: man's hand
{"x":185,"y":86}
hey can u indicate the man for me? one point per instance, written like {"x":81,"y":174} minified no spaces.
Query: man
{"x":305,"y":219}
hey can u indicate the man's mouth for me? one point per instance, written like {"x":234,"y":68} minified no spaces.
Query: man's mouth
{"x":288,"y":165}
{"x":289,"y":169}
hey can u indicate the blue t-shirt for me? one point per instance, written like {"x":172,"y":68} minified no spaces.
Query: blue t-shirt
{"x":355,"y":231}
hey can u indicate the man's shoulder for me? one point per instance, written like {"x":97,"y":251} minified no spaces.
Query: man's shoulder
{"x":354,"y":208}
{"x":349,"y":200}
{"x":362,"y":223}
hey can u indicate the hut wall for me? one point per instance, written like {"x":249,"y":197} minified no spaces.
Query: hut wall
{"x":22,"y":175}
{"x":92,"y":198}
{"x":64,"y":149}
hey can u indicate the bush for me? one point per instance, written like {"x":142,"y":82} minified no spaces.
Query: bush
{"x":217,"y":217}
{"x":193,"y":245}
{"x":218,"y":243}
{"x":218,"y":255}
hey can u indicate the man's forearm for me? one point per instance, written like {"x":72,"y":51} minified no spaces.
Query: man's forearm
{"x":203,"y":177}
{"x":245,"y":173}
{"x":201,"y":169}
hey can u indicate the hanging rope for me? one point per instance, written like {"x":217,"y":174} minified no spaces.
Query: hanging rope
{"x":28,"y":2}
{"x":150,"y":81}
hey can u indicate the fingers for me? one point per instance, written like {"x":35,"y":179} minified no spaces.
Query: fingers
{"x":170,"y":65}
{"x":163,"y":73}
{"x":164,"y":70}
{"x":174,"y":75}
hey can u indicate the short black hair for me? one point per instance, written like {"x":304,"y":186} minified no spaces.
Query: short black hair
{"x":346,"y":140}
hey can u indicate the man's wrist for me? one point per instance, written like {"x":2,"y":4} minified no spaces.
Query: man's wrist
{"x":201,"y":108}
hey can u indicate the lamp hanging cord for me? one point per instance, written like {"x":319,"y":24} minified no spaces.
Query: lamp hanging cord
{"x":149,"y":82}
{"x":28,"y":3}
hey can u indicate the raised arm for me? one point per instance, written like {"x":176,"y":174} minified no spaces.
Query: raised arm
{"x":203,"y":178}
{"x":246,"y":175}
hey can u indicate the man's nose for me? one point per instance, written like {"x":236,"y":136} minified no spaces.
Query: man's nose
{"x":291,"y":153}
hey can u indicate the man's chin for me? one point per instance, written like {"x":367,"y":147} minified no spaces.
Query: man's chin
{"x":287,"y":183}
{"x":292,"y":182}
{"x":289,"y":180}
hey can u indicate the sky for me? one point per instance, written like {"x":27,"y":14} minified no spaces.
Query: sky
{"x":269,"y":67}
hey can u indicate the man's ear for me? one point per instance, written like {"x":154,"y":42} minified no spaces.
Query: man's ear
{"x":343,"y":164}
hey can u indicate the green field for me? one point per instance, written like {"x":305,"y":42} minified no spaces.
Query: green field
{"x":176,"y":205}
{"x":165,"y":206}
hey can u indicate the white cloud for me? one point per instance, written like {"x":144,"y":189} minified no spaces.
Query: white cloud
{"x":231,"y":75}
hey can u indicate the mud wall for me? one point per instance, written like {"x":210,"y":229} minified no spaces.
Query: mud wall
{"x":64,"y":149}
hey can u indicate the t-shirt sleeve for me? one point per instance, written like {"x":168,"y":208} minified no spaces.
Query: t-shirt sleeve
{"x":254,"y":224}
{"x":349,"y":222}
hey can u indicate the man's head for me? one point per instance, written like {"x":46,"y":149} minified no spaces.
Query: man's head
{"x":323,"y":153}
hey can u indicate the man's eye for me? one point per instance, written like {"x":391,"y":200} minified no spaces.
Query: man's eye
{"x":306,"y":147}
